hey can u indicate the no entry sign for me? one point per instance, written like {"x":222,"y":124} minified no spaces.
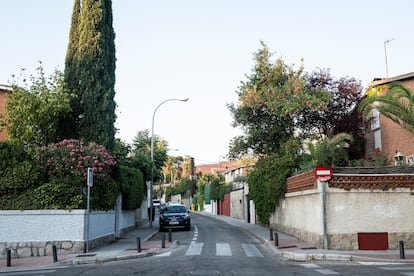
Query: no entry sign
{"x":323,"y":173}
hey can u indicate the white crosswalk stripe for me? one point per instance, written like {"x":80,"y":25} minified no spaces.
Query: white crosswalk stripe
{"x":320,"y":270}
{"x":222,"y":249}
{"x":402,"y":268}
{"x":194,"y":249}
{"x":251,"y":250}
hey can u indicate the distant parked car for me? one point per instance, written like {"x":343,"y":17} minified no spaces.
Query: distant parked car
{"x":174,"y":216}
{"x":156,"y":203}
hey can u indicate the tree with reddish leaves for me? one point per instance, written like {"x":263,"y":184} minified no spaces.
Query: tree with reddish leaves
{"x":341,"y":115}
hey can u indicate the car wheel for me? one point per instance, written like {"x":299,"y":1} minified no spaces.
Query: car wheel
{"x":188,"y":228}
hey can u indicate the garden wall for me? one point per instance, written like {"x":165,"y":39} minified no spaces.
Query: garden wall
{"x":34,"y":232}
{"x":359,"y":203}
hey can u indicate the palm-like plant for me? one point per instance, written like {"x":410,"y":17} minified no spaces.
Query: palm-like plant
{"x":396,"y":104}
{"x":330,"y":152}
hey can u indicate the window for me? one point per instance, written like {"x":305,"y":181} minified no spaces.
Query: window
{"x":410,"y":160}
{"x":375,"y":122}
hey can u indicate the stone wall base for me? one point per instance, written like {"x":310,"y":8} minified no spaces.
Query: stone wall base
{"x":347,"y":241}
{"x":45,"y":248}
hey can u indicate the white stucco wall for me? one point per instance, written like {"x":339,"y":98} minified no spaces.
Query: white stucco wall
{"x":127,"y":219}
{"x":300,"y":210}
{"x":237,"y":204}
{"x":101,"y":224}
{"x":58,"y":225}
{"x":347,"y":213}
{"x":370,"y":211}
{"x":44,"y":225}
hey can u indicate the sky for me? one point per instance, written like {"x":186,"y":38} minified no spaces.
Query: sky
{"x":203,"y":50}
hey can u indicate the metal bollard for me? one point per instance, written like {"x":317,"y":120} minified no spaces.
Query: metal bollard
{"x":8,"y":257}
{"x":402,"y":255}
{"x":163,"y":241}
{"x":271,"y":234}
{"x":276,"y":239}
{"x":138,"y":244}
{"x":55,"y":259}
{"x":170,"y":235}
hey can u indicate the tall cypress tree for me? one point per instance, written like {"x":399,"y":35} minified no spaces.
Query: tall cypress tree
{"x":90,"y":73}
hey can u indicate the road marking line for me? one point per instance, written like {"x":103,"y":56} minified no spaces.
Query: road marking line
{"x":194,"y":249}
{"x":223,"y":249}
{"x":251,"y":250}
{"x":310,"y":265}
{"x":326,"y":271}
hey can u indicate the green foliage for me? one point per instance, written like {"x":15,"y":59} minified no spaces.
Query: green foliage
{"x":141,"y":155}
{"x":90,"y":73}
{"x":33,"y":109}
{"x":396,"y":102}
{"x":330,"y":152}
{"x":72,"y":158}
{"x":18,"y":178}
{"x":267,"y":182}
{"x":132,"y":188}
{"x":65,"y":164}
{"x":11,"y":154}
{"x":270,"y":101}
{"x":59,"y":193}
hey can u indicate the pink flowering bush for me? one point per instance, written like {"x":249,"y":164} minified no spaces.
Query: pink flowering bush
{"x":72,"y":158}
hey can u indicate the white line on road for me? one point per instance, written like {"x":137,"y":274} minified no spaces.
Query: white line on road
{"x":194,"y":249}
{"x":223,"y":249}
{"x":251,"y":250}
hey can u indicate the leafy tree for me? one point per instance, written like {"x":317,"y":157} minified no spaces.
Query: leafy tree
{"x":188,"y":166}
{"x":269,"y":102}
{"x":33,"y":109}
{"x":90,"y":73}
{"x":141,"y":152}
{"x":338,"y":117}
{"x":133,"y":188}
{"x":395,"y":102}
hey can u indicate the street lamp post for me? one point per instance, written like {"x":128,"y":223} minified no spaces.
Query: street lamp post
{"x":152,"y":156}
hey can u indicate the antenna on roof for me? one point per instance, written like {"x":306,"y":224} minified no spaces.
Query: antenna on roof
{"x":385,"y":50}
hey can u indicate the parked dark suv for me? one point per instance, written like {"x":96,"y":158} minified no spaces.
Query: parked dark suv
{"x":174,"y":216}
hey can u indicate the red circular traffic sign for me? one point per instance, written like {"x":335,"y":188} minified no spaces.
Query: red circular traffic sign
{"x":323,"y":173}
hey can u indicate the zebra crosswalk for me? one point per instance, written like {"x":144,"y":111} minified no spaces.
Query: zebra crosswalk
{"x":223,"y":249}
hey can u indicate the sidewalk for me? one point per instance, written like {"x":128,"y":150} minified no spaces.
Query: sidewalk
{"x":289,"y":248}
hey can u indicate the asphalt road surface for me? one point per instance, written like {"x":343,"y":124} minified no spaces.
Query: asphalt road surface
{"x":213,"y":247}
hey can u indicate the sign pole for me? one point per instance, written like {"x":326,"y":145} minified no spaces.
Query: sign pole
{"x":89,"y":184}
{"x":323,"y":175}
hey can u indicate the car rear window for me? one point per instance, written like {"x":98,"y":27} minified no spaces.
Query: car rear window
{"x":176,"y":209}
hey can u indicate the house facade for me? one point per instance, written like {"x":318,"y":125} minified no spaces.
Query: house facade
{"x":386,"y":136}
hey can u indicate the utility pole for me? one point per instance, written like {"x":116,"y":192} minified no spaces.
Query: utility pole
{"x":385,"y":50}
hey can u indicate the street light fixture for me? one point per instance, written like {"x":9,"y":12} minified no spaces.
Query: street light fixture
{"x":152,"y":156}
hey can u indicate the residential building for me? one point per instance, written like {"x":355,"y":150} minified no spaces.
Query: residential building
{"x":386,"y":136}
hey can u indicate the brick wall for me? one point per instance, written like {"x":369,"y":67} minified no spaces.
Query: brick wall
{"x":393,"y":137}
{"x":301,"y":182}
{"x":3,"y":100}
